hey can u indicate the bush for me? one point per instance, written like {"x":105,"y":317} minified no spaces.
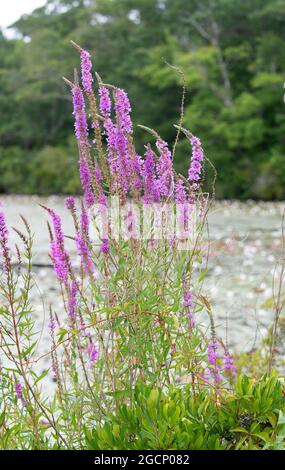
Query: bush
{"x":251,"y":417}
{"x":133,"y":364}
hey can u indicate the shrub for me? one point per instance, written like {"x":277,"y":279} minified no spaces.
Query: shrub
{"x":251,"y":417}
{"x":133,"y":364}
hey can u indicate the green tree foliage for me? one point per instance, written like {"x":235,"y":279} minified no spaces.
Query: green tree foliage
{"x":232,"y":55}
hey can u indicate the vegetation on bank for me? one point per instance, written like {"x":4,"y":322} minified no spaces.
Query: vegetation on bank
{"x":231,"y":53}
{"x":134,"y":365}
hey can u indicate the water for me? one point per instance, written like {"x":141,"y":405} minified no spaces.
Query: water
{"x":245,"y":246}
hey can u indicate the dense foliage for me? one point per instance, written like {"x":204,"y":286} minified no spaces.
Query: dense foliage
{"x":231,"y":53}
{"x":251,"y":417}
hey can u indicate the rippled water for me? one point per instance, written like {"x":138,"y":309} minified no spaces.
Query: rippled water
{"x":245,"y":245}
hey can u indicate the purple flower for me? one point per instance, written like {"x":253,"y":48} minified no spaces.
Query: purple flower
{"x":84,"y":221}
{"x":188,"y":299}
{"x":213,"y":358}
{"x":194,"y":172}
{"x":86,"y":66}
{"x":229,"y":364}
{"x":4,"y":242}
{"x":151,"y":192}
{"x":92,"y":352}
{"x":72,"y":301}
{"x":123,"y":109}
{"x":84,"y":252}
{"x":19,"y":391}
{"x":86,"y":181}
{"x":188,"y":302}
{"x":70,"y":203}
{"x":81,"y":127}
{"x":164,"y":168}
{"x":180,"y":192}
{"x":59,"y":256}
{"x":105,"y":101}
{"x":105,"y":247}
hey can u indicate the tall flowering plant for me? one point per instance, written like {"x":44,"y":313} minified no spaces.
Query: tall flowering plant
{"x":132,"y":296}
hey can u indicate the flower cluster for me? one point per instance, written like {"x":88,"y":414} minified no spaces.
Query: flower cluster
{"x":86,"y":67}
{"x":4,"y":242}
{"x":92,"y":353}
{"x":19,"y":391}
{"x":195,"y":170}
{"x":152,"y":177}
{"x":80,"y":125}
{"x":220,"y":364}
{"x":229,"y":365}
{"x":59,"y":255}
{"x":213,"y":359}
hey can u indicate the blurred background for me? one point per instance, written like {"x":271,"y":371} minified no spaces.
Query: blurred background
{"x":232,"y":54}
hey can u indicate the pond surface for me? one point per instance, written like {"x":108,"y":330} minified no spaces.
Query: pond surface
{"x":245,"y":246}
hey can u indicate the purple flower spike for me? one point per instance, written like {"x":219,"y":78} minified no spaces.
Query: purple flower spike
{"x":92,"y":352}
{"x":229,"y":364}
{"x":188,"y":299}
{"x":195,"y":170}
{"x":105,"y":247}
{"x":180,"y":192}
{"x":80,"y":125}
{"x":151,"y":192}
{"x":70,"y":203}
{"x":59,"y":256}
{"x":4,"y":242}
{"x":213,"y":361}
{"x":86,"y":66}
{"x":86,"y":181}
{"x":72,"y":301}
{"x":123,"y":110}
{"x":105,"y":101}
{"x":19,"y":391}
{"x":84,"y":221}
{"x":84,"y":253}
{"x":164,"y":168}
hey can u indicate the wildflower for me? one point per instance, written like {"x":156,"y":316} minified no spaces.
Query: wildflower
{"x":188,"y":299}
{"x":136,"y":164}
{"x":151,"y":193}
{"x":70,"y":203}
{"x":92,"y":352}
{"x":194,"y":172}
{"x":84,"y":220}
{"x":164,"y":168}
{"x":188,"y":302}
{"x":81,"y":127}
{"x":4,"y":242}
{"x":86,"y":181}
{"x":229,"y":365}
{"x":122,"y":166}
{"x":86,"y":66}
{"x":81,"y":132}
{"x":105,"y":247}
{"x":180,"y":192}
{"x":105,"y":101}
{"x":213,"y":358}
{"x":72,"y":301}
{"x":19,"y":391}
{"x":59,"y":256}
{"x":84,"y":252}
{"x":123,"y":109}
